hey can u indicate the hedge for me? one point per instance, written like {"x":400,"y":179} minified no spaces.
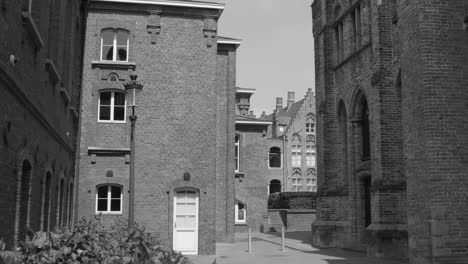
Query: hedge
{"x":292,"y":200}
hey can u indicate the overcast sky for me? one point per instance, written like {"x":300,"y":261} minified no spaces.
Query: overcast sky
{"x":277,"y":51}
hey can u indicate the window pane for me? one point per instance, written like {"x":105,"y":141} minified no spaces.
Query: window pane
{"x":122,"y":37}
{"x":119,"y":113}
{"x":105,"y":98}
{"x":119,"y":99}
{"x":122,"y":53}
{"x":108,"y":37}
{"x":115,"y":205}
{"x":116,"y":191}
{"x":102,"y":192}
{"x":107,"y":52}
{"x":241,"y":214}
{"x":104,"y":113}
{"x":102,"y":205}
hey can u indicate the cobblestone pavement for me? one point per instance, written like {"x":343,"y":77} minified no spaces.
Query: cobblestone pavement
{"x":266,"y":249}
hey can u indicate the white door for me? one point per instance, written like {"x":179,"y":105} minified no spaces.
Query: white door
{"x":186,"y":222}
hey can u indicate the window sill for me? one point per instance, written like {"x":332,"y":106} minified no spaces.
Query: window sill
{"x":112,"y":122}
{"x":113,"y":65}
{"x":31,"y":25}
{"x":240,"y":224}
{"x":275,"y":168}
{"x":106,"y":213}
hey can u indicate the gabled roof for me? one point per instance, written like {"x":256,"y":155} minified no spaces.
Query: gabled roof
{"x":285,"y":114}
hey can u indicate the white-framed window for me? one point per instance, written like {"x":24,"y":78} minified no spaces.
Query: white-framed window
{"x":296,"y":184}
{"x":237,"y":152}
{"x":310,"y":156}
{"x":240,"y":213}
{"x":274,"y":157}
{"x":111,"y":106}
{"x":114,"y":45}
{"x":296,"y":155}
{"x":109,"y":199}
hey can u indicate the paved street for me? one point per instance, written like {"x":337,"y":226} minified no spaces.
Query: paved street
{"x":266,"y":249}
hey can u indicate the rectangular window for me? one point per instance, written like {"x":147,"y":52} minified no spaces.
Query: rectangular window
{"x":310,"y":127}
{"x":240,"y":213}
{"x":296,"y":184}
{"x":296,"y":155}
{"x":310,"y":156}
{"x":114,"y":45}
{"x":112,"y":106}
{"x":109,"y":199}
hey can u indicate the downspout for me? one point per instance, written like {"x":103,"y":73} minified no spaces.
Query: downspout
{"x":285,"y":162}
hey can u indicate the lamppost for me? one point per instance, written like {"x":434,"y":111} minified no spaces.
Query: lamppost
{"x":132,"y":88}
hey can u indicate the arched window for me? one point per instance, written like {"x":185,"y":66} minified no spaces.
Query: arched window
{"x":365,"y":130}
{"x":339,"y":36}
{"x":240,"y":213}
{"x":112,"y":106}
{"x":343,"y":122}
{"x":46,"y":202}
{"x":109,"y":199}
{"x":61,"y":202}
{"x":114,"y":45}
{"x":24,"y":201}
{"x":237,"y":152}
{"x":274,"y":157}
{"x":275,"y":186}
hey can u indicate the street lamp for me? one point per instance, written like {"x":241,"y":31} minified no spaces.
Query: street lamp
{"x":133,"y":88}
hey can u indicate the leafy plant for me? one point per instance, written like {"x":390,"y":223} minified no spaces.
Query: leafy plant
{"x":91,"y":242}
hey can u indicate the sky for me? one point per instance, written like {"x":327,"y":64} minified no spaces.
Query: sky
{"x":277,"y":51}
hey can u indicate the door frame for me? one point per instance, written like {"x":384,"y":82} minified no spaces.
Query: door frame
{"x":197,"y":201}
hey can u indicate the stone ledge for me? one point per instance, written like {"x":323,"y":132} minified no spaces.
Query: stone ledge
{"x":108,"y":151}
{"x":113,"y":65}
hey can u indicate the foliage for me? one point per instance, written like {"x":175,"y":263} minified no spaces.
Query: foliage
{"x":292,"y":200}
{"x":91,"y":242}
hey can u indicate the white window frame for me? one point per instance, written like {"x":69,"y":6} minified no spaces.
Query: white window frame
{"x":296,"y":155}
{"x":109,"y":199}
{"x":114,"y":45}
{"x":281,"y":159}
{"x":112,"y":105}
{"x":237,"y":151}
{"x":236,"y":213}
{"x":310,"y":156}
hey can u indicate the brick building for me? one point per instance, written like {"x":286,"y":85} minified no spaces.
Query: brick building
{"x":185,"y":129}
{"x":391,"y":126}
{"x":40,"y":66}
{"x":259,"y":169}
{"x":294,"y":124}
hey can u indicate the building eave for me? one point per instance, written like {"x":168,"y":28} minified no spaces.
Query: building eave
{"x":206,"y":5}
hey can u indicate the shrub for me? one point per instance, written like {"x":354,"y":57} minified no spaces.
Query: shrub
{"x":292,"y":200}
{"x":90,"y":243}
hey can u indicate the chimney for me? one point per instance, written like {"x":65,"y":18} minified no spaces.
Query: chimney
{"x":290,"y":99}
{"x":263,"y":114}
{"x":279,"y":103}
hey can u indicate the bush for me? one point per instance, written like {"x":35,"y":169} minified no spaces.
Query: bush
{"x":90,"y":243}
{"x":292,"y":200}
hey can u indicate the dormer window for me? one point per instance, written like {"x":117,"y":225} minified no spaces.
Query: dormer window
{"x":114,"y":45}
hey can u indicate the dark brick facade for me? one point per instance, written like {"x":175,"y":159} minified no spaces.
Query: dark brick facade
{"x":397,"y":189}
{"x":40,"y":78}
{"x":185,"y":116}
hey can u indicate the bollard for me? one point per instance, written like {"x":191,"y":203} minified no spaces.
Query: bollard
{"x":250,"y":240}
{"x":282,"y":238}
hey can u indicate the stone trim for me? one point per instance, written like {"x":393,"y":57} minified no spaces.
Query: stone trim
{"x":113,"y":65}
{"x":108,"y":151}
{"x":50,"y":67}
{"x":32,"y":27}
{"x":65,"y":95}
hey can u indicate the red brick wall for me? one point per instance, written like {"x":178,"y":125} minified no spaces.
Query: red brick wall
{"x":37,"y":123}
{"x":183,"y":116}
